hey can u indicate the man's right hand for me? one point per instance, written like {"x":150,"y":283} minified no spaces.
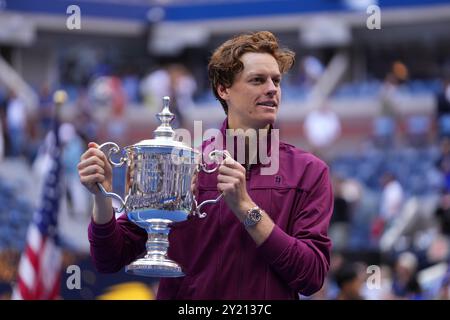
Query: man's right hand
{"x":95,"y":168}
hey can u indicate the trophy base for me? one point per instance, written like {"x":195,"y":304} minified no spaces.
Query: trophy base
{"x":155,"y":268}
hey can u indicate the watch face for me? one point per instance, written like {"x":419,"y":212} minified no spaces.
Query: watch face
{"x":255,"y":215}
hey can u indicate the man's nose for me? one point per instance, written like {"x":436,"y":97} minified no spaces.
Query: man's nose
{"x":271,"y":88}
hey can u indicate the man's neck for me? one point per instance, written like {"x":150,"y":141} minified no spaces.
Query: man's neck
{"x":251,"y":156}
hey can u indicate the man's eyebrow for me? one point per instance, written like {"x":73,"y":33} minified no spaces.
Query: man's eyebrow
{"x":262,"y":74}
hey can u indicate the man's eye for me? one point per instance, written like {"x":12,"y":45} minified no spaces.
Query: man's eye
{"x":258,"y":80}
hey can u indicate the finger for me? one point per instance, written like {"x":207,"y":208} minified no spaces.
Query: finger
{"x":88,"y":153}
{"x":194,"y":183}
{"x":91,"y":152}
{"x":92,"y":179}
{"x":225,"y":170}
{"x":231,"y":163}
{"x":227,"y":179}
{"x":91,"y":161}
{"x":236,"y":173}
{"x":224,"y":187}
{"x":92,"y":170}
{"x":93,"y":145}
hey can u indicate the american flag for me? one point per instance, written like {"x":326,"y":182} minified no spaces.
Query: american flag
{"x":40,"y":264}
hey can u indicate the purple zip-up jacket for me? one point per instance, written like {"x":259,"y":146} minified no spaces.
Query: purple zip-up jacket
{"x":220,"y":259}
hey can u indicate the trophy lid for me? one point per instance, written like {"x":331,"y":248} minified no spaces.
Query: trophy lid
{"x":164,"y":134}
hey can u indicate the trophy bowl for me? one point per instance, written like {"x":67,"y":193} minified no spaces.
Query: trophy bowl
{"x":159,"y":174}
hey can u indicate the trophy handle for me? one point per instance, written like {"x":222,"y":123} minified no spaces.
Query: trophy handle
{"x":108,"y":149}
{"x":213,"y":154}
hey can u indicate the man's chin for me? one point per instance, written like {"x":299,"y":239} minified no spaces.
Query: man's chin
{"x":270,"y":119}
{"x":267,"y":121}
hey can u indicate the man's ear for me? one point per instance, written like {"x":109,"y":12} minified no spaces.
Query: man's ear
{"x":222,"y":91}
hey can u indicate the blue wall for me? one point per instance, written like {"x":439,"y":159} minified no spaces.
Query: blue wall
{"x":189,"y":10}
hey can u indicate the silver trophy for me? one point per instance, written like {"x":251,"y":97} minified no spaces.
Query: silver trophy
{"x":158,"y":192}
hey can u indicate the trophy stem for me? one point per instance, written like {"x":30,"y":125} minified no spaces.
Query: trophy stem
{"x":156,"y":262}
{"x":157,"y":245}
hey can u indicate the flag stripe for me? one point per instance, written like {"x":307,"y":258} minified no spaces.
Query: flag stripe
{"x":24,"y":292}
{"x":32,"y":258}
{"x":34,"y":238}
{"x":27,"y":272}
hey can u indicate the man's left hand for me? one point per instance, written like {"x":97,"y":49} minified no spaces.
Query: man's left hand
{"x":232,"y":183}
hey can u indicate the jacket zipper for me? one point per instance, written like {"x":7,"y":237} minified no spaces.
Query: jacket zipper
{"x":218,"y":284}
{"x":241,"y":262}
{"x":247,"y":172}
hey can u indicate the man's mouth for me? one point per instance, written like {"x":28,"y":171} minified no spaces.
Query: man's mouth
{"x":268,"y":104}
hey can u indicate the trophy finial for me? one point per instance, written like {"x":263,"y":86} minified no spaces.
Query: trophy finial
{"x":166,"y":102}
{"x":165,"y":116}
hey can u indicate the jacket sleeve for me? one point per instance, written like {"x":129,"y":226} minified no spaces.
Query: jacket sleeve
{"x":115,"y":244}
{"x":302,"y":259}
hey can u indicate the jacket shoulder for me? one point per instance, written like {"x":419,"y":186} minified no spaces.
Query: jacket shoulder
{"x":300,"y":156}
{"x":307,"y":168}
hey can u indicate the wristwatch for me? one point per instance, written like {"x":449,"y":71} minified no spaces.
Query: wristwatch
{"x":253,"y":216}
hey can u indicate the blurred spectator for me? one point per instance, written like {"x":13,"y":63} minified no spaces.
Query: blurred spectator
{"x":9,"y":259}
{"x":443,"y":163}
{"x":438,"y":250}
{"x":174,"y":81}
{"x":400,"y":71}
{"x":391,"y":203}
{"x":340,"y":220}
{"x":130,"y":83}
{"x":117,"y":103}
{"x":392,"y":197}
{"x":16,"y":122}
{"x":118,"y":99}
{"x":322,"y":128}
{"x":443,"y":213}
{"x":444,"y":290}
{"x":182,"y":88}
{"x":443,"y":109}
{"x":331,"y":289}
{"x":405,"y":284}
{"x":84,"y":121}
{"x":385,"y":123}
{"x":106,"y":92}
{"x":349,"y":280}
{"x":155,"y":86}
{"x":418,"y":129}
{"x":73,"y":148}
{"x":113,"y":96}
{"x":75,"y":204}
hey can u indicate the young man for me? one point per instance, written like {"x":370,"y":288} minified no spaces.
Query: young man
{"x":267,"y":238}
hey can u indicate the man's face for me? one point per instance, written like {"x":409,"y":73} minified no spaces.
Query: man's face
{"x":254,"y":98}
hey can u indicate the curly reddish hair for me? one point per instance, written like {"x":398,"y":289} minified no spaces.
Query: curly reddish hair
{"x":225,"y":62}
